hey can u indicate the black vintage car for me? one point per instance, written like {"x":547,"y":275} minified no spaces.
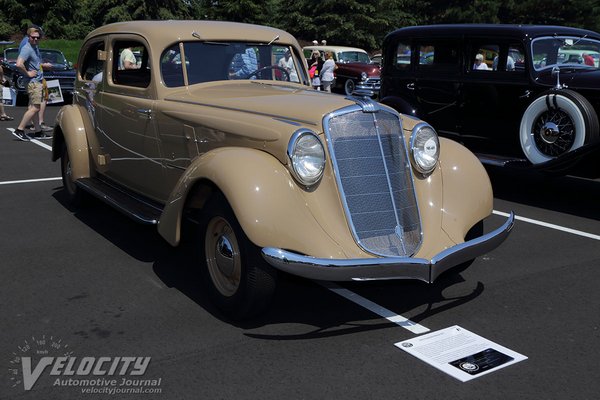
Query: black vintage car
{"x":61,"y":69}
{"x":516,"y":95}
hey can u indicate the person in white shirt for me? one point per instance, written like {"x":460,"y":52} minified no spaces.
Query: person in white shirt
{"x":479,"y":64}
{"x":287,"y":63}
{"x":327,"y":72}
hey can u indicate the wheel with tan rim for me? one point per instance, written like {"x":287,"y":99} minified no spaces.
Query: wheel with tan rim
{"x":239,"y":281}
{"x":74,"y":194}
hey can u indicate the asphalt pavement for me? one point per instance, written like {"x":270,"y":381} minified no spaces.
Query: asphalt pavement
{"x":91,"y":284}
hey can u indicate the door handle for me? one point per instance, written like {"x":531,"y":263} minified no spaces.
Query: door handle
{"x":144,"y":112}
{"x":410,"y":86}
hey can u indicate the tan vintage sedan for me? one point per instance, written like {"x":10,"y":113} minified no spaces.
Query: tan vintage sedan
{"x":215,"y":124}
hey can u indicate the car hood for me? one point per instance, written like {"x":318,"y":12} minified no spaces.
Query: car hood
{"x":295,"y":103}
{"x":575,"y":78}
{"x":373,"y":70}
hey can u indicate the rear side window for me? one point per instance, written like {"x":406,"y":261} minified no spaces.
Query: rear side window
{"x":439,"y":55}
{"x":130,"y":64}
{"x":403,"y":55}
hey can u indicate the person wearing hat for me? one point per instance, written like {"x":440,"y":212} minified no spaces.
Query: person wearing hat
{"x":479,"y":64}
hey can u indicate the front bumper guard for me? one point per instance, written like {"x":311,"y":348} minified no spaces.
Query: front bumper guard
{"x":359,"y":269}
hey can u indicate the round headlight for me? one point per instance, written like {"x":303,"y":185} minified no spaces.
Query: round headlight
{"x":307,"y":157}
{"x":363,"y":76}
{"x":424,"y":148}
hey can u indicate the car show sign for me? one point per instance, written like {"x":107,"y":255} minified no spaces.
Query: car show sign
{"x":9,"y":96}
{"x":54,"y":92}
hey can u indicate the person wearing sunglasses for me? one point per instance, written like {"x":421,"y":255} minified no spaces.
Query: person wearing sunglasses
{"x":29,"y":62}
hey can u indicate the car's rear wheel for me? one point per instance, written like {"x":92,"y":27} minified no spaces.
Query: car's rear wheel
{"x":74,"y":193}
{"x":239,"y":282}
{"x":555,"y":123}
{"x":349,"y":86}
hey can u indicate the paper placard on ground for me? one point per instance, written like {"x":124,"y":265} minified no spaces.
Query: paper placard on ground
{"x":54,"y":92}
{"x":9,"y":96}
{"x":460,"y":353}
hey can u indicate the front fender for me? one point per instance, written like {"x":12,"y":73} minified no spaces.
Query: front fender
{"x":70,"y":130}
{"x":269,"y":205}
{"x":467,"y":191}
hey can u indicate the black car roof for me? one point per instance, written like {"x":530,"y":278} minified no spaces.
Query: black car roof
{"x":489,"y":30}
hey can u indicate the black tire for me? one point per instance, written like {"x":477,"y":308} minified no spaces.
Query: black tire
{"x":349,"y":87}
{"x":75,"y":195}
{"x":239,"y":282}
{"x":556,"y":122}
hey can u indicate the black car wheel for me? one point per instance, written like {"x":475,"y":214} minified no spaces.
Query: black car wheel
{"x":555,"y":123}
{"x":239,"y":282}
{"x":349,"y":87}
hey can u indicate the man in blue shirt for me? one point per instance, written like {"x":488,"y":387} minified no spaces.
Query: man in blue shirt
{"x":43,"y":126}
{"x":30,"y":63}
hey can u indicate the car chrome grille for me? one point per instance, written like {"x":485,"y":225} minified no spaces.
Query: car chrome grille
{"x":375,"y":181}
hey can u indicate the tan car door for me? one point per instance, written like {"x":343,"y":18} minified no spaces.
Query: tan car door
{"x":126,"y":127}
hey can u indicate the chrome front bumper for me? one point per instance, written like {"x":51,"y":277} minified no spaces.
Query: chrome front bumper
{"x":389,"y":267}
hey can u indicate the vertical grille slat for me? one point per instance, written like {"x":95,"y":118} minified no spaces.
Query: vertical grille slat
{"x":375,"y":181}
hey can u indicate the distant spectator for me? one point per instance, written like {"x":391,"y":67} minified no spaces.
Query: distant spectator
{"x":3,"y":116}
{"x":287,"y":63}
{"x":588,"y":60}
{"x":479,"y":64}
{"x":315,"y":67}
{"x":326,"y":75}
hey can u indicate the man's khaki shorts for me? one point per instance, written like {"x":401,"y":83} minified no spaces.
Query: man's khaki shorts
{"x":35,"y":90}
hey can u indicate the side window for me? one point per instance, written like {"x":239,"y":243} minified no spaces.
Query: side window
{"x":439,"y":55}
{"x":130,"y":64}
{"x":93,"y":63}
{"x":485,"y":57}
{"x":171,"y":67}
{"x":515,"y":60}
{"x":403,"y":56}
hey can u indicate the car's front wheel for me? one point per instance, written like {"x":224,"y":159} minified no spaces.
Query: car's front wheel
{"x":74,"y":193}
{"x":349,"y":87}
{"x":239,"y":282}
{"x":555,"y":123}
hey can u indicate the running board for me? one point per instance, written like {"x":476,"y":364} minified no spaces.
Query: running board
{"x":135,"y":208}
{"x":502,"y":161}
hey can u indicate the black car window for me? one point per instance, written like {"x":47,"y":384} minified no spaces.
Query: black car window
{"x":130,"y":64}
{"x":439,"y":55}
{"x":92,"y":66}
{"x":403,"y":56}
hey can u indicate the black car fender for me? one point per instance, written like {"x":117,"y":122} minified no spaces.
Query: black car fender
{"x":400,"y":105}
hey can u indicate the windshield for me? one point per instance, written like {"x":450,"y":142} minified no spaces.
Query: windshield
{"x":565,"y":51}
{"x":218,"y":61}
{"x":353,"y":56}
{"x":48,"y":56}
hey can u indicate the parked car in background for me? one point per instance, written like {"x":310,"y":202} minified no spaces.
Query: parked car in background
{"x":355,"y":70}
{"x":376,"y":59}
{"x":268,"y":174}
{"x":535,"y":106}
{"x":61,"y":70}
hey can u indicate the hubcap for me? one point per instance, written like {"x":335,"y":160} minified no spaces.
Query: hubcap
{"x":553,"y":132}
{"x":223,"y":256}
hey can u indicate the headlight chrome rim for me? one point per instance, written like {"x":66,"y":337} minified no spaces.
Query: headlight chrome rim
{"x":307,"y":157}
{"x":424,"y":148}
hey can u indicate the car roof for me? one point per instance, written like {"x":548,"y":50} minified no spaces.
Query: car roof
{"x":490,"y":30}
{"x":163,"y":33}
{"x":334,"y":49}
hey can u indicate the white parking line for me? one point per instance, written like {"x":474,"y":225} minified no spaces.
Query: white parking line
{"x":551,"y":226}
{"x":34,"y":141}
{"x":375,"y":308}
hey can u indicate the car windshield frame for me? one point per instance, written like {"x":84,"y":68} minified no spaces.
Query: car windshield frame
{"x":562,"y":51}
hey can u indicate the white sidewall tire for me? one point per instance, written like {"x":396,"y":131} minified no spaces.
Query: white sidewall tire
{"x":539,"y":106}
